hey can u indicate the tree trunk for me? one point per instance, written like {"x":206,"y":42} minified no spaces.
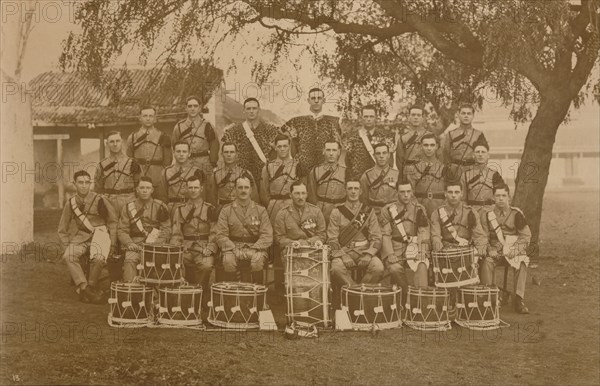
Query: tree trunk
{"x":532,"y":176}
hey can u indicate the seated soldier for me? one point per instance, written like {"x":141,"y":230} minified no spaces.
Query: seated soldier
{"x":479,"y":180}
{"x":299,"y":222}
{"x":193,"y":226}
{"x":144,"y":220}
{"x":354,"y":237}
{"x":84,"y":213}
{"x":244,"y":233}
{"x":509,"y":237}
{"x":406,"y":239}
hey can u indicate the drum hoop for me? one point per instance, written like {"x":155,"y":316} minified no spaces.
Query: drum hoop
{"x":169,"y":247}
{"x":389,"y":291}
{"x":382,"y":326}
{"x":237,"y":326}
{"x":181,"y":290}
{"x":173,"y":322}
{"x":479,"y":289}
{"x":454,"y":284}
{"x":141,"y":322}
{"x":480,"y":325}
{"x":429,"y":326}
{"x":433,"y":291}
{"x":120,"y":287}
{"x":161,"y":281}
{"x":229,"y":286}
{"x":447,"y":253}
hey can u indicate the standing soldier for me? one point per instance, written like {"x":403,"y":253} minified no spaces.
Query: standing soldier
{"x":253,"y":139}
{"x":380,"y":183}
{"x":406,"y":239}
{"x":479,"y":180}
{"x":308,"y":132}
{"x":300,"y":221}
{"x":354,"y":237}
{"x":458,"y":144}
{"x":114,"y":176}
{"x":149,"y":146}
{"x":427,"y":176}
{"x":194,"y":227}
{"x":144,"y":220}
{"x":360,"y":153}
{"x":172,"y":188}
{"x":200,"y":135}
{"x":221,"y":185}
{"x":408,"y":149}
{"x":326,"y":183}
{"x":85,"y":212}
{"x":244,"y":233}
{"x":509,"y":237}
{"x":277,"y":178}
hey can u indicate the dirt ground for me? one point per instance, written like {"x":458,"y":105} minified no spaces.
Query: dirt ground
{"x":49,"y":337}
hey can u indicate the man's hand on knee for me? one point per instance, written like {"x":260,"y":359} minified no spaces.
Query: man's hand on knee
{"x":348,"y":262}
{"x":365,"y":260}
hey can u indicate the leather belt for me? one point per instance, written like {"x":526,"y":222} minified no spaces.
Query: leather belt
{"x":200,"y":154}
{"x":430,"y":195}
{"x":332,"y":200}
{"x":243,"y":239}
{"x":118,"y":191}
{"x":354,"y":244}
{"x":176,"y":199}
{"x":143,"y":162}
{"x":279,"y":196}
{"x":196,"y":238}
{"x":484,"y":202}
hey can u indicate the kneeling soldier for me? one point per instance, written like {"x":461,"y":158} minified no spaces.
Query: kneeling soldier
{"x":194,"y":228}
{"x":144,"y":220}
{"x":354,"y":237}
{"x":405,"y":239}
{"x":244,"y":233}
{"x":509,"y":237}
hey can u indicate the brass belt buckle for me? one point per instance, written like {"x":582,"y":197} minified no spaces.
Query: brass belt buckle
{"x":430,"y":195}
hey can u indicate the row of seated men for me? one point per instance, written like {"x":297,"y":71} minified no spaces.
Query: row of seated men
{"x":359,"y":235}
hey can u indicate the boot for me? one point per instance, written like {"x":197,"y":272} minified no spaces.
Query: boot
{"x":520,"y":306}
{"x":87,"y":295}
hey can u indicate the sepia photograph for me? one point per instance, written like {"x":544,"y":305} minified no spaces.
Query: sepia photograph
{"x":300,"y":192}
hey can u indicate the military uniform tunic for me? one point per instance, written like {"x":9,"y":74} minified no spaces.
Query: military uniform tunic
{"x":465,"y":221}
{"x":173,"y":184}
{"x":513,"y":223}
{"x":264,"y":133}
{"x":427,"y":181}
{"x":408,"y":149}
{"x":221,"y":185}
{"x":151,"y":150}
{"x":379,"y":187}
{"x":204,"y":144}
{"x":115,"y":180}
{"x":478,"y":182}
{"x":153,"y":214}
{"x":292,"y":225}
{"x":358,"y":157}
{"x":244,"y":234}
{"x":76,"y":237}
{"x":326,"y":185}
{"x":457,"y":149}
{"x":277,"y":179}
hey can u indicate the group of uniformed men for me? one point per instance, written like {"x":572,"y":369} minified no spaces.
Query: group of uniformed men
{"x":273,"y":187}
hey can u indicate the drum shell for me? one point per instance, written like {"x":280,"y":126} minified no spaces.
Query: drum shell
{"x":461,"y":260}
{"x":424,"y":297}
{"x":141,"y":298}
{"x":228,"y":295}
{"x":184,"y":297}
{"x":152,"y":259}
{"x":478,"y":295}
{"x":307,"y":286}
{"x":361,"y":301}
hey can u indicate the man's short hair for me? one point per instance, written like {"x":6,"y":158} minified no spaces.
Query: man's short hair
{"x":251,"y":100}
{"x":198,"y":176}
{"x":465,"y":105}
{"x":180,"y":142}
{"x":145,"y":179}
{"x":451,"y":183}
{"x":228,"y":143}
{"x":315,"y":89}
{"x":481,"y":142}
{"x":501,"y":186}
{"x":404,"y":181}
{"x":147,"y":107}
{"x":429,"y":136}
{"x":351,"y":179}
{"x":380,"y":144}
{"x":333,"y":140}
{"x":296,"y":183}
{"x":370,"y":107}
{"x":114,"y":132}
{"x":416,"y":107}
{"x":244,"y":177}
{"x":81,"y":173}
{"x":193,"y":98}
{"x":282,"y":137}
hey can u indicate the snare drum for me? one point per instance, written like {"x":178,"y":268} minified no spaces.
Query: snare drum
{"x":427,"y":309}
{"x":307,"y":286}
{"x":180,"y":306}
{"x":236,"y":305}
{"x":478,"y":307}
{"x":370,"y":305}
{"x":161,"y":264}
{"x":130,"y":305}
{"x":455,"y":267}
